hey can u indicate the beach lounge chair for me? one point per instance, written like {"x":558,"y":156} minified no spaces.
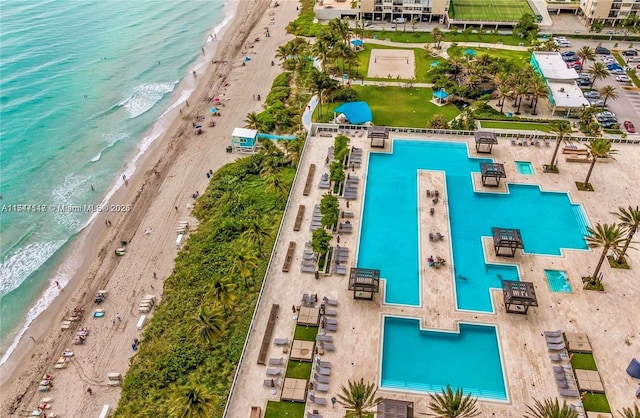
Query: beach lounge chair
{"x":281,"y":341}
{"x":321,"y":387}
{"x":331,"y":327}
{"x":320,"y":379}
{"x":570,"y":393}
{"x":325,"y":338}
{"x":305,"y":299}
{"x":342,"y":270}
{"x":554,"y":340}
{"x":558,"y":356}
{"x":330,"y":312}
{"x":318,"y":401}
{"x":327,"y":346}
{"x":556,"y":347}
{"x":308,"y":269}
{"x":331,"y":302}
{"x":332,"y":321}
{"x":562,"y":384}
{"x":271,"y":383}
{"x":313,"y":299}
{"x":276,"y":361}
{"x":311,"y":415}
{"x":273,"y":372}
{"x":552,"y":334}
{"x":323,"y":371}
{"x":326,"y":364}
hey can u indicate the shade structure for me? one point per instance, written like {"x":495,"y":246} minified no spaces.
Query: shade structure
{"x":357,"y":42}
{"x":302,"y":350}
{"x":470,"y":52}
{"x":213,"y":110}
{"x":435,"y":63}
{"x":355,"y":112}
{"x":440,"y":94}
{"x":294,"y":390}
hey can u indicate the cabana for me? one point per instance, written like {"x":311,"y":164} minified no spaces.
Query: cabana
{"x":393,"y":408}
{"x":302,"y":350}
{"x":309,"y":316}
{"x":377,"y":135}
{"x":356,"y":113}
{"x":294,"y":390}
{"x":440,"y":96}
{"x":364,"y":283}
{"x":506,"y":238}
{"x":493,"y":171}
{"x":485,"y":140}
{"x":244,"y":140}
{"x":519,"y":295}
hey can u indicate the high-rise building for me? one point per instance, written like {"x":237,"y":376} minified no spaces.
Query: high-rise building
{"x":404,"y":10}
{"x":609,"y":11}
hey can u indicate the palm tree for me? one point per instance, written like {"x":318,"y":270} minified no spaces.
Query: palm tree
{"x":208,"y":324}
{"x":538,"y":89}
{"x":450,"y":404}
{"x":243,"y":264}
{"x":586,"y":53}
{"x":607,"y":236}
{"x":503,"y":92}
{"x":222,"y":292}
{"x":321,"y":50}
{"x":341,"y":28}
{"x":550,"y":409}
{"x":561,"y":128}
{"x":598,"y":148}
{"x":192,"y":401}
{"x":608,"y":92}
{"x":629,"y":220}
{"x":252,"y":121}
{"x":598,"y":71}
{"x":358,"y":397}
{"x":437,"y":36}
{"x":521,"y":89}
{"x":256,"y":233}
{"x":630,"y":413}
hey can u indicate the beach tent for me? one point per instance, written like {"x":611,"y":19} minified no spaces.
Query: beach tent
{"x":355,"y":112}
{"x":244,"y":140}
{"x":440,"y":95}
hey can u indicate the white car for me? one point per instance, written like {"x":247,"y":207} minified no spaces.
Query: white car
{"x":635,"y":59}
{"x":606,"y":114}
{"x":608,"y":59}
{"x":623,"y":78}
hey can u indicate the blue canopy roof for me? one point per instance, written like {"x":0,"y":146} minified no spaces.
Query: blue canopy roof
{"x":470,"y":52}
{"x":440,"y":94}
{"x":356,"y":112}
{"x":357,"y":42}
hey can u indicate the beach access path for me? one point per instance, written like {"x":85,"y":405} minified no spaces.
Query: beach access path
{"x":160,"y":193}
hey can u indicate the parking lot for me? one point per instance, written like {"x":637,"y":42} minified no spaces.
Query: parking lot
{"x":627,"y":105}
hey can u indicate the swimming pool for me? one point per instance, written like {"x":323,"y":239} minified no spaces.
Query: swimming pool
{"x":524,"y":167}
{"x":389,"y":234}
{"x":558,"y":281}
{"x":429,"y":360}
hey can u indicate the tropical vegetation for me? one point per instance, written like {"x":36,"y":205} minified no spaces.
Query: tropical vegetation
{"x":453,"y":404}
{"x":598,"y":148}
{"x":630,"y":413}
{"x":562,"y":129}
{"x":550,"y":409}
{"x":191,"y":348}
{"x":629,"y":221}
{"x":358,"y":397}
{"x":605,"y":236}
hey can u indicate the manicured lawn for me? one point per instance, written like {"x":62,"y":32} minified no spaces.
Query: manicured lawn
{"x":425,"y":37}
{"x":423,"y":63}
{"x":583,"y":361}
{"x":305,"y":333}
{"x":596,"y":402}
{"x":299,"y":369}
{"x":504,"y":10}
{"x":519,"y":57}
{"x":284,"y":409}
{"x":523,"y":126}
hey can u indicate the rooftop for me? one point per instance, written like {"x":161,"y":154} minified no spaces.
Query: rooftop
{"x":567,"y":95}
{"x":553,"y":67}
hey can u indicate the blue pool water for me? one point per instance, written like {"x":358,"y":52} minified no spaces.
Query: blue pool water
{"x":389,"y":237}
{"x":524,"y":167}
{"x":469,"y":360}
{"x":558,"y":281}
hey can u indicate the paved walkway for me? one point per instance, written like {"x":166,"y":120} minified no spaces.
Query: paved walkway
{"x":446,"y":45}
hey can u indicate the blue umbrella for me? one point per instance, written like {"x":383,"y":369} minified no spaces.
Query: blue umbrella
{"x":247,"y":58}
{"x":213,"y":110}
{"x":357,"y":42}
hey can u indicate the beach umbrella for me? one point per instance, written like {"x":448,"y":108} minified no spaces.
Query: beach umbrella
{"x":213,"y":110}
{"x":198,"y":126}
{"x":247,"y":58}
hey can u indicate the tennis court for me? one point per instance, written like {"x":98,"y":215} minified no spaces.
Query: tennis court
{"x":501,"y":10}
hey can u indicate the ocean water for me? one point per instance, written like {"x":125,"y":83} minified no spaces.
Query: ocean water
{"x":81,"y":85}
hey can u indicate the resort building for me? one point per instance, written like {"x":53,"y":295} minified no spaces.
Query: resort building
{"x":564,"y":94}
{"x":609,"y":11}
{"x":404,"y":10}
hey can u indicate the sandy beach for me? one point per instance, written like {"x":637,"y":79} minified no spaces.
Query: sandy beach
{"x":160,"y":196}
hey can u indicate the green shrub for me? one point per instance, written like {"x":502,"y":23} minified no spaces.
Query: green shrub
{"x":344,"y":94}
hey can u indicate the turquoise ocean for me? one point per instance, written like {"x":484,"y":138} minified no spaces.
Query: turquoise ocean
{"x":81,"y":84}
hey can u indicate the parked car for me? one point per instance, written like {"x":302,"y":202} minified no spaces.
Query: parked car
{"x":583,"y":82}
{"x":630,"y":53}
{"x":606,"y":119}
{"x":609,"y":124}
{"x":614,"y":66}
{"x":568,"y":53}
{"x":606,"y":114}
{"x":623,"y":78}
{"x":617,"y":71}
{"x":634,"y":59}
{"x":629,"y":126}
{"x":567,"y":58}
{"x":597,"y":102}
{"x":608,"y":59}
{"x":638,"y":66}
{"x":602,"y":51}
{"x":593,"y":94}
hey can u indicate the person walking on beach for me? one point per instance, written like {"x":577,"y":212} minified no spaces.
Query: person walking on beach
{"x":89,"y":391}
{"x":119,"y":317}
{"x":57,"y":284}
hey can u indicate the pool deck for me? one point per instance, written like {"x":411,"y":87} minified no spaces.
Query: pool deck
{"x":608,"y":318}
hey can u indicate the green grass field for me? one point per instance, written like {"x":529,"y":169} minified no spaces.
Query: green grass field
{"x":520,"y":126}
{"x":502,"y":10}
{"x":521,"y":58}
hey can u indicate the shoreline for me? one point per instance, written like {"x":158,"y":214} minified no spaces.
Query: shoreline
{"x":173,"y":154}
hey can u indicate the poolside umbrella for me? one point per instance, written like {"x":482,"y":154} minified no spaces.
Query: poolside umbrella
{"x":213,"y":110}
{"x":471,"y":52}
{"x":357,"y":42}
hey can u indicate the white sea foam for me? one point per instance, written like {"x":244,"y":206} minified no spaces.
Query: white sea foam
{"x":65,"y":194}
{"x":111,"y":139}
{"x":23,"y":262}
{"x":144,"y":97}
{"x":184,"y":95}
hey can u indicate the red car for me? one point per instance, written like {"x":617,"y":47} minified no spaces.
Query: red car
{"x":638,"y":66}
{"x":629,"y":126}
